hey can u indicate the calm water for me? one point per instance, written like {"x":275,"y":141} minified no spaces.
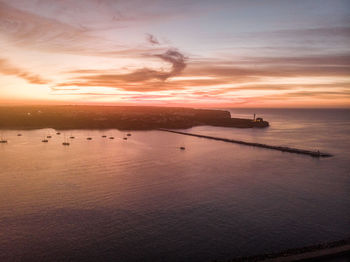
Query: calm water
{"x":145,"y":200}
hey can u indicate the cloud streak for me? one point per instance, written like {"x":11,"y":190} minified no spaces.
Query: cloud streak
{"x":222,"y":76}
{"x":27,"y":30}
{"x":7,"y":68}
{"x":144,"y":79}
{"x":113,"y":48}
{"x":152,"y":39}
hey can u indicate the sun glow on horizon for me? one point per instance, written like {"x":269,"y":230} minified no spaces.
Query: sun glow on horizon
{"x":115,"y":53}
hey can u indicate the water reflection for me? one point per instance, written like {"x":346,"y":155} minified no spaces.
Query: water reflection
{"x":144,"y":199}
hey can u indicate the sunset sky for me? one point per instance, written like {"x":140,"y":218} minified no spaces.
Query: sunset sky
{"x":243,"y":53}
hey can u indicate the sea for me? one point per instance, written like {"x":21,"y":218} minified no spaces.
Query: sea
{"x":145,"y":199}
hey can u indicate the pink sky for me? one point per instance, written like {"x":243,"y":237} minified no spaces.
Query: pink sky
{"x":188,"y":53}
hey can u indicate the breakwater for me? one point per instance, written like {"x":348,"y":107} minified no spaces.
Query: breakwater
{"x":279,"y":148}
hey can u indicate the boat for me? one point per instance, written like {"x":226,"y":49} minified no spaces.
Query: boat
{"x":111,"y":137}
{"x":58,"y":133}
{"x":65,"y":141}
{"x":125,"y":138}
{"x":89,"y":138}
{"x":44,"y":140}
{"x":72,"y":137}
{"x":182,"y":148}
{"x":128,"y":134}
{"x":104,"y":136}
{"x":49,"y":136}
{"x":19,"y":134}
{"x":2,"y":140}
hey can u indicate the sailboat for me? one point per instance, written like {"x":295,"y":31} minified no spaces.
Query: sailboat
{"x":2,"y":139}
{"x":65,"y":142}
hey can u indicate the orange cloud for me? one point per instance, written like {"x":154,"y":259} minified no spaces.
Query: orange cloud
{"x":7,"y":69}
{"x":140,"y":80}
{"x":222,"y":76}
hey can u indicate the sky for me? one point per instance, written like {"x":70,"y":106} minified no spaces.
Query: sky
{"x":234,"y":53}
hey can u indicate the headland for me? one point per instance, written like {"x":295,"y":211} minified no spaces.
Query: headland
{"x":118,"y":117}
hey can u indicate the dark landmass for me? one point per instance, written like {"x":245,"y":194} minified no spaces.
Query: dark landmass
{"x":119,"y":117}
{"x":332,"y":251}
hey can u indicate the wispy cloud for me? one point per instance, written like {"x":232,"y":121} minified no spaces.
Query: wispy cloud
{"x":145,"y":79}
{"x":263,"y":66}
{"x":177,"y":60}
{"x":152,"y":39}
{"x":7,"y":68}
{"x":28,"y":30}
{"x":319,"y":32}
{"x":112,"y":48}
{"x":252,"y":73}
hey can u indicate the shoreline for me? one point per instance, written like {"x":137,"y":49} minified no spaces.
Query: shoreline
{"x":118,"y":117}
{"x":319,"y":252}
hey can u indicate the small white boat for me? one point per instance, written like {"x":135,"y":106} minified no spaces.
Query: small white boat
{"x":2,"y":139}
